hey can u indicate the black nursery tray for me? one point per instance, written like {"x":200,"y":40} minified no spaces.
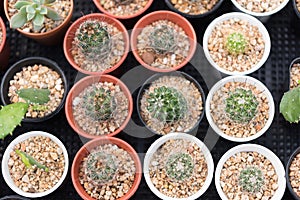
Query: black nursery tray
{"x":282,"y":138}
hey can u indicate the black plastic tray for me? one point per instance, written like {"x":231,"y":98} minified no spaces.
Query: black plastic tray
{"x":282,"y":138}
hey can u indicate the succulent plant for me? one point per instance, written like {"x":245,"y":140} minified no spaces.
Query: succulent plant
{"x":236,"y":43}
{"x":162,"y":39}
{"x":251,"y":179}
{"x":167,"y":104}
{"x":290,"y":105}
{"x":101,"y":167}
{"x":179,"y":166}
{"x":94,"y":40}
{"x":100,"y":104}
{"x":29,"y":161}
{"x":10,"y":117}
{"x":241,"y":105}
{"x":35,"y":11}
{"x":34,"y":96}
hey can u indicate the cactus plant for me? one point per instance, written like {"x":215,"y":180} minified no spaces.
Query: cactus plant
{"x":34,"y":96}
{"x":290,"y":105}
{"x":35,"y":11}
{"x":100,"y":104}
{"x":94,"y":40}
{"x":30,"y":161}
{"x":241,"y":105}
{"x":162,"y":39}
{"x":100,"y":167}
{"x":179,"y":166}
{"x":10,"y":117}
{"x":236,"y":43}
{"x":251,"y":179}
{"x":167,"y":104}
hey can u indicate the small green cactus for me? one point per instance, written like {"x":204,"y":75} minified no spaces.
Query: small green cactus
{"x":167,"y":104}
{"x":162,"y":39}
{"x":236,"y":43}
{"x":251,"y":179}
{"x":101,"y":167}
{"x":35,"y":11}
{"x":290,"y":105}
{"x":100,"y":104}
{"x":94,"y":40}
{"x":179,"y":166}
{"x":29,"y":161}
{"x":34,"y":96}
{"x":10,"y":117}
{"x":241,"y":105}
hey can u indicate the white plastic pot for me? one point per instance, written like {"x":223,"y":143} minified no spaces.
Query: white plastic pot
{"x":257,"y":14}
{"x":252,"y":21}
{"x":158,"y":143}
{"x":260,"y":86}
{"x":5,"y":170}
{"x":261,"y":150}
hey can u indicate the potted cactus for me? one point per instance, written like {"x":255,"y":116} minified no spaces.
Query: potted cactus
{"x":4,"y":47}
{"x":250,"y":171}
{"x":194,"y":8}
{"x":106,"y":168}
{"x":163,"y":41}
{"x":123,"y":9}
{"x":178,"y":166}
{"x":170,"y":103}
{"x":96,"y":44}
{"x":98,"y":106}
{"x":236,"y":44}
{"x":42,"y":20}
{"x":239,"y":108}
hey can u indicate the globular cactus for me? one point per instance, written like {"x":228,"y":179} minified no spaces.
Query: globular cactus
{"x":236,"y":43}
{"x":167,"y":104}
{"x":100,"y":167}
{"x":94,"y":40}
{"x":251,"y":179}
{"x":162,"y":39}
{"x":34,"y":96}
{"x":100,"y":104}
{"x":10,"y":117}
{"x":179,"y":166}
{"x":35,"y":11}
{"x":290,"y":105}
{"x":241,"y":105}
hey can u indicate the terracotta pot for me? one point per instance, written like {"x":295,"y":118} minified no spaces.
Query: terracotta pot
{"x":4,"y":48}
{"x":79,"y":87}
{"x":69,"y":37}
{"x":164,"y":15}
{"x":84,"y":151}
{"x":52,"y":37}
{"x":100,"y":7}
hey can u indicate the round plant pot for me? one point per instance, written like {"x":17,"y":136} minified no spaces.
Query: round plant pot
{"x":175,"y":136}
{"x":264,"y":16}
{"x":164,"y":15}
{"x":30,"y":61}
{"x":252,"y":21}
{"x":52,"y":37}
{"x":13,"y":197}
{"x":261,"y":150}
{"x":135,"y":14}
{"x":4,"y":48}
{"x":69,"y":38}
{"x":295,"y":61}
{"x":243,"y":79}
{"x":79,"y":87}
{"x":5,"y":169}
{"x":150,"y":80}
{"x":85,"y":150}
{"x":214,"y":8}
{"x":287,"y":173}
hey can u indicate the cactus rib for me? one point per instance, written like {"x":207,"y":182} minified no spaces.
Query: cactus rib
{"x":10,"y":117}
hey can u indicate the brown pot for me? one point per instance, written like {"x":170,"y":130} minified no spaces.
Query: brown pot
{"x":52,"y":37}
{"x":4,"y":48}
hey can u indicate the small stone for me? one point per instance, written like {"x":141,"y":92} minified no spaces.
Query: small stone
{"x":148,"y":57}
